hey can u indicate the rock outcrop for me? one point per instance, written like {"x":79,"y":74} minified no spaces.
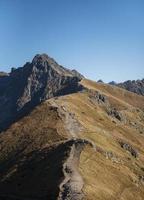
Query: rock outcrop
{"x":76,"y":73}
{"x":33,"y":83}
{"x":129,"y":148}
{"x":112,"y":83}
{"x":96,"y":96}
{"x":100,"y":81}
{"x":113,"y":112}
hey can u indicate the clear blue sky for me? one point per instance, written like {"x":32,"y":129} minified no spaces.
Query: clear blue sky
{"x":100,"y":38}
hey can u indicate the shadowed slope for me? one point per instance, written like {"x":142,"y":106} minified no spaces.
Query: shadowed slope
{"x":47,"y":173}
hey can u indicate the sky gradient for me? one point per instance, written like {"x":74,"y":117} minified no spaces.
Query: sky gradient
{"x":102,"y":39}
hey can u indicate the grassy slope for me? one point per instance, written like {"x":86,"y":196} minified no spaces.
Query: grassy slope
{"x":105,"y":178}
{"x":41,"y":127}
{"x":108,"y":178}
{"x":30,"y":168}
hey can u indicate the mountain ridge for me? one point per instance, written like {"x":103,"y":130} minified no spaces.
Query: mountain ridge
{"x":136,"y":86}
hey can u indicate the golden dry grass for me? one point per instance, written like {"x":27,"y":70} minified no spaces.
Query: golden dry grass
{"x":106,"y":178}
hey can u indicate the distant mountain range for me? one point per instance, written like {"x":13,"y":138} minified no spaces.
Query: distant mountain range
{"x":136,"y":86}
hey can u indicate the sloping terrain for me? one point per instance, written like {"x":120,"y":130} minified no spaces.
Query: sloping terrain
{"x":84,"y":145}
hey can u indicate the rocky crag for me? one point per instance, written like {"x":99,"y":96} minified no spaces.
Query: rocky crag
{"x":33,"y":83}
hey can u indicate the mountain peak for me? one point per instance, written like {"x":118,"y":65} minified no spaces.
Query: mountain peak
{"x":43,"y":61}
{"x":37,"y":81}
{"x":39,"y":58}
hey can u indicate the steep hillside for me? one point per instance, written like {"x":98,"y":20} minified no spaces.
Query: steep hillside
{"x":84,"y":145}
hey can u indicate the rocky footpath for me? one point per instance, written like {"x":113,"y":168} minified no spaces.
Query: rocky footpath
{"x":72,"y":184}
{"x":47,"y":173}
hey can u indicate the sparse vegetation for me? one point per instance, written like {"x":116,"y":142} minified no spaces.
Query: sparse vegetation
{"x":109,"y":172}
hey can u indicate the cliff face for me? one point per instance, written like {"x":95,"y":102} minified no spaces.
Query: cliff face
{"x":35,"y":82}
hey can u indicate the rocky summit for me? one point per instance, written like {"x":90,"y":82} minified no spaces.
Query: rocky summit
{"x":33,"y":83}
{"x":64,"y":137}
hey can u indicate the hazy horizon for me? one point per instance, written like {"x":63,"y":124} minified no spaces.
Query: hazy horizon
{"x":100,"y":39}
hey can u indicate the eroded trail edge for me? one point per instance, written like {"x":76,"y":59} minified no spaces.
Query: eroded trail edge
{"x":72,"y":184}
